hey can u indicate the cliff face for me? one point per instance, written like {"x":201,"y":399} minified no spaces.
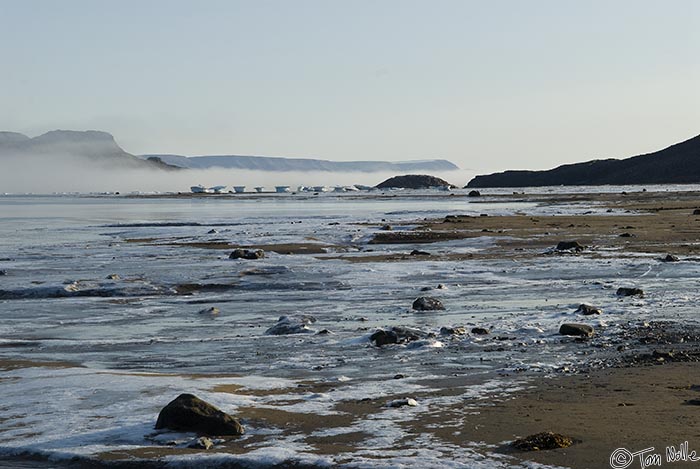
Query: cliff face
{"x":677,"y":164}
{"x":90,"y":147}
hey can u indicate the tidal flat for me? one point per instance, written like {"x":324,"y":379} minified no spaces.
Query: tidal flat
{"x":113,"y":306}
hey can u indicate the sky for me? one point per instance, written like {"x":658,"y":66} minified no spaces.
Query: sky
{"x":488,"y":85}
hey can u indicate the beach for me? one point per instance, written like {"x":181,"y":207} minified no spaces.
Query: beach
{"x":111,"y":324}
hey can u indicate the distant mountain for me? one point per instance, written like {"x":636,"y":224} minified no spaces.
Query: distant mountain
{"x":677,"y":164}
{"x":90,"y":147}
{"x":268,"y":163}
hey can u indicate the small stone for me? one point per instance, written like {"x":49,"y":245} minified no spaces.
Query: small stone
{"x":582,"y":330}
{"x":406,"y":401}
{"x":588,"y":310}
{"x":3,"y":272}
{"x":213,"y":311}
{"x":441,"y":286}
{"x":427,"y":303}
{"x":324,"y":332}
{"x":292,"y":325}
{"x":627,"y":291}
{"x":569,"y":245}
{"x":386,"y":228}
{"x":543,"y":441}
{"x":453,"y":331}
{"x":212,"y":231}
{"x":201,"y":443}
{"x":399,"y":376}
{"x":670,"y":258}
{"x":113,"y":277}
{"x":479,"y":331}
{"x":626,"y":235}
{"x":250,"y":254}
{"x":416,"y":252}
{"x":474,"y":193}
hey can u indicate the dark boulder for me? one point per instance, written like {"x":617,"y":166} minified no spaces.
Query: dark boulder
{"x":427,"y":303}
{"x":474,"y":193}
{"x":413,"y":181}
{"x":416,"y":252}
{"x":588,"y":310}
{"x":569,"y":245}
{"x":396,"y":335}
{"x":581,"y":330}
{"x":626,"y":291}
{"x":696,"y":211}
{"x":292,"y":325}
{"x":189,"y":413}
{"x":250,"y":254}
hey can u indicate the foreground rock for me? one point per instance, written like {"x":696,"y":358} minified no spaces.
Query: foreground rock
{"x":250,"y":254}
{"x":396,"y":335}
{"x":292,"y":325}
{"x":413,"y":181}
{"x":188,"y":413}
{"x":427,"y":303}
{"x":627,"y":291}
{"x":588,"y":310}
{"x":543,"y":441}
{"x":580,"y":330}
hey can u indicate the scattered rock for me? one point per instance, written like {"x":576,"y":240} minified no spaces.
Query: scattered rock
{"x":588,"y":310}
{"x":111,"y":277}
{"x":479,"y":331}
{"x":416,"y":252}
{"x":569,"y":245}
{"x":406,"y":401}
{"x":189,"y":413}
{"x":670,"y":258}
{"x":453,"y":330}
{"x":543,"y":441}
{"x":474,"y":193}
{"x":581,"y":330}
{"x":249,"y":254}
{"x":627,"y":291}
{"x":386,"y":228}
{"x":201,"y":443}
{"x":292,"y":325}
{"x":427,"y":303}
{"x":212,"y":311}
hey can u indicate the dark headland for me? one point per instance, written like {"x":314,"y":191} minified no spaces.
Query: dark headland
{"x":677,"y":164}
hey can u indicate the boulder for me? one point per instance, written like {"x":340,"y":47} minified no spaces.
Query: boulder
{"x":569,"y":245}
{"x":113,"y":277}
{"x":696,"y":211}
{"x":580,"y":330}
{"x":416,"y":252}
{"x":188,"y":413}
{"x":406,"y":401}
{"x":292,"y":325}
{"x":588,"y":310}
{"x":474,"y":193}
{"x":627,"y":291}
{"x":250,"y":254}
{"x":427,"y":303}
{"x":543,"y":441}
{"x":626,"y":235}
{"x":396,"y":335}
{"x":670,"y":258}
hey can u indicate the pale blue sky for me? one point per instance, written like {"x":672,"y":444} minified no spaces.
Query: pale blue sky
{"x":487,"y":85}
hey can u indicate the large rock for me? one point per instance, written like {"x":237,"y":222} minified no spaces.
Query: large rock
{"x":627,"y":291}
{"x":580,"y":330}
{"x":413,"y":181}
{"x":427,"y":303}
{"x":188,"y":413}
{"x":292,"y":325}
{"x":250,"y":254}
{"x":396,"y":335}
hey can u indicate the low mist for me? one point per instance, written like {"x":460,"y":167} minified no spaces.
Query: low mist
{"x":46,"y":175}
